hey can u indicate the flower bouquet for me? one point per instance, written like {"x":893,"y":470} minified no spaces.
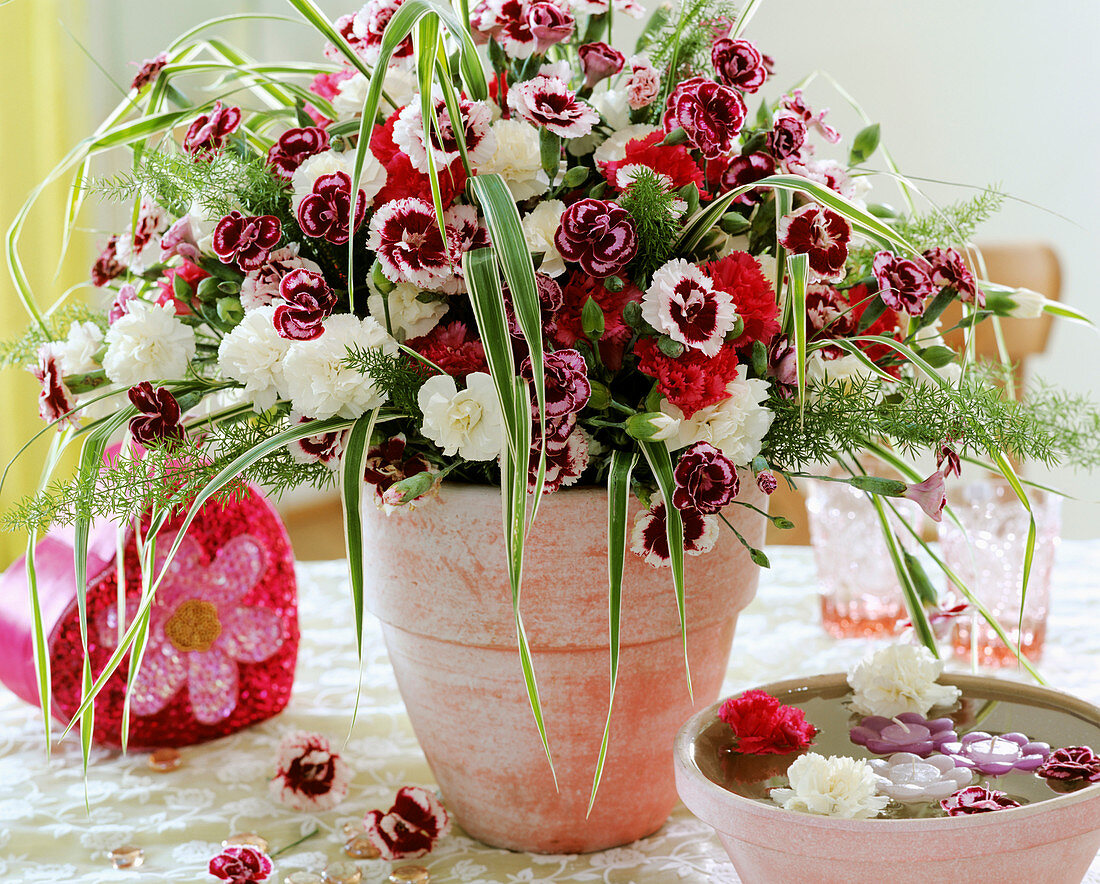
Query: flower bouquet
{"x":484,"y":246}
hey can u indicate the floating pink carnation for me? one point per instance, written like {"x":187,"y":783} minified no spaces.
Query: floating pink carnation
{"x":822,"y":235}
{"x":158,"y":419}
{"x":977,"y":799}
{"x":598,"y":235}
{"x":246,"y":240}
{"x":309,"y":776}
{"x":950,"y":270}
{"x":326,"y":211}
{"x":598,"y":62}
{"x":709,"y":113}
{"x":738,"y":63}
{"x":567,"y":386}
{"x":55,"y":400}
{"x":410,"y":827}
{"x":208,"y":132}
{"x":294,"y":147}
{"x":650,"y":540}
{"x":903,"y":284}
{"x":706,"y":480}
{"x":308,"y":302}
{"x":643,"y":84}
{"x":1072,"y":764}
{"x":241,"y":865}
{"x":682,"y":303}
{"x":548,"y":101}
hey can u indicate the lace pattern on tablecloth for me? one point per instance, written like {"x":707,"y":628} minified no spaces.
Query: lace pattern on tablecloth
{"x":179,"y":818}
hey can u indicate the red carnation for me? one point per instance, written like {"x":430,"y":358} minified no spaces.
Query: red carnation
{"x":709,"y":113}
{"x":598,"y":235}
{"x":739,"y":275}
{"x":326,"y":211}
{"x":691,"y":380}
{"x":671,"y":160}
{"x":706,"y":480}
{"x":819,"y":233}
{"x":294,"y":147}
{"x":903,"y":284}
{"x":208,"y":132}
{"x":452,"y":348}
{"x":411,"y":827}
{"x":191,"y":274}
{"x":742,"y":169}
{"x":107,"y":266}
{"x":739,"y":64}
{"x":565,"y":329}
{"x":598,"y":62}
{"x":246,"y":240}
{"x":309,"y":301}
{"x":764,"y":726}
{"x":787,"y":137}
{"x":950,"y":270}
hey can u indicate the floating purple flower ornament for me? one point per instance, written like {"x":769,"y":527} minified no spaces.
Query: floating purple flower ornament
{"x":996,"y":755}
{"x":909,"y":732}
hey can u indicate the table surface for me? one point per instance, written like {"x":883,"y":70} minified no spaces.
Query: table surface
{"x":179,"y":818}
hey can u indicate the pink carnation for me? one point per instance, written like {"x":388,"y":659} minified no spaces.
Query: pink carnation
{"x":107,"y":266}
{"x":566,"y":454}
{"x":904,"y":284}
{"x":149,"y":71}
{"x":368,"y":25}
{"x":566,"y":377}
{"x":477,"y":120}
{"x":261,"y":286}
{"x":547,"y":101}
{"x":643,"y":84}
{"x":309,"y":776}
{"x":598,"y":62}
{"x":405,"y":236}
{"x":208,"y":132}
{"x":977,"y":799}
{"x":549,"y":24}
{"x":795,"y":104}
{"x":241,"y":865}
{"x":950,"y":270}
{"x":787,"y":137}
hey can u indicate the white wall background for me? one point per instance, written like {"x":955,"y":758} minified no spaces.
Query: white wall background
{"x":975,"y":91}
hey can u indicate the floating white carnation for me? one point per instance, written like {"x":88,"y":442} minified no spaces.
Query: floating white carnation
{"x":319,"y":382}
{"x":409,"y":316}
{"x":468,"y":422}
{"x":253,"y":354}
{"x":373,"y":180}
{"x":897,"y":679}
{"x":77,"y":352}
{"x":736,"y":426}
{"x":516,"y":158}
{"x":148,"y":343}
{"x":539,"y":227}
{"x":835,"y":786}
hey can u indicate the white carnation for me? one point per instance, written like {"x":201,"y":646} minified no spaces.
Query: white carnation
{"x":409,"y":316}
{"x":517,"y":159}
{"x":400,"y":85}
{"x":613,"y":149}
{"x":615,"y":110}
{"x":467,"y":422}
{"x":77,"y":352}
{"x":836,"y":786}
{"x":736,"y":426}
{"x":319,"y":382}
{"x":843,"y":372}
{"x":253,"y":354}
{"x":329,"y":162}
{"x":539,"y":227}
{"x":897,"y":679}
{"x":148,"y":343}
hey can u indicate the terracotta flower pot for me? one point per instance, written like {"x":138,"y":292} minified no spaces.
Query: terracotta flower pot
{"x":1051,"y":841}
{"x":437,"y":580}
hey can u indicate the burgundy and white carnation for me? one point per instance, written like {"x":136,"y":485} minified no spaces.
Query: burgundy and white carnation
{"x":410,"y":827}
{"x":548,"y":101}
{"x":207,"y":133}
{"x":904,"y":284}
{"x":260,"y":287}
{"x":949,"y":270}
{"x":643,"y":83}
{"x":550,"y":24}
{"x":649,"y":539}
{"x":598,"y":62}
{"x":795,"y":104}
{"x":309,"y":776}
{"x":367,"y":27}
{"x":148,"y":72}
{"x":405,"y":236}
{"x":787,"y":137}
{"x":241,"y":864}
{"x":822,"y":235}
{"x":710,"y":114}
{"x":391,"y":462}
{"x":139,"y":247}
{"x":246,"y":240}
{"x":745,"y":169}
{"x":597,"y":234}
{"x":158,"y":419}
{"x":477,"y":120}
{"x":107,"y":266}
{"x":706,"y":480}
{"x":682,"y":303}
{"x":324,"y":448}
{"x":567,"y":454}
{"x":566,"y":377}
{"x":294,"y":147}
{"x":55,"y":400}
{"x":738,"y":63}
{"x":326,"y":211}
{"x":308,"y":301}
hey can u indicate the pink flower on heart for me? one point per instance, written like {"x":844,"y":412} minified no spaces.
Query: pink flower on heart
{"x":410,"y":827}
{"x":903,"y":284}
{"x":547,"y":101}
{"x":309,"y":776}
{"x":158,"y":419}
{"x":709,"y":113}
{"x":246,"y":240}
{"x":294,"y":147}
{"x":822,"y":235}
{"x":649,"y":539}
{"x":208,"y":132}
{"x":598,"y":62}
{"x":241,"y":865}
{"x":683,"y":303}
{"x":199,"y":630}
{"x":739,"y":63}
{"x":598,"y":235}
{"x":326,"y":210}
{"x":308,"y":301}
{"x":930,"y":495}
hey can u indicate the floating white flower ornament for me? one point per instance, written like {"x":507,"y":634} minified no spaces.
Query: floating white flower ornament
{"x":910,"y":779}
{"x":897,"y":679}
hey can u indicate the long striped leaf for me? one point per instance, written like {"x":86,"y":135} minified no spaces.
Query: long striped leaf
{"x":183,"y":38}
{"x":487,"y":300}
{"x":798,"y":267}
{"x":618,"y":505}
{"x":660,"y":462}
{"x":1008,"y":471}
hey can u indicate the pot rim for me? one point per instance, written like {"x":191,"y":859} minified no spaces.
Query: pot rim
{"x":686,"y":766}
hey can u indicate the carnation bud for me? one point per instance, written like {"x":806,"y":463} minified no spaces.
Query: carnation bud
{"x":676,"y":136}
{"x":632,"y":314}
{"x":229,"y":287}
{"x":1019,"y":304}
{"x":690,"y":194}
{"x":598,"y":191}
{"x":767,"y":483}
{"x":181,"y":288}
{"x":652,"y":426}
{"x":613,"y":284}
{"x":230,"y":311}
{"x":734,"y":224}
{"x":208,"y":289}
{"x":782,"y":523}
{"x":408,"y":490}
{"x":878,"y":485}
{"x":379,"y":280}
{"x":599,"y":397}
{"x":759,"y":360}
{"x":592,"y":320}
{"x":574,"y":177}
{"x":738,"y":329}
{"x":669,"y":347}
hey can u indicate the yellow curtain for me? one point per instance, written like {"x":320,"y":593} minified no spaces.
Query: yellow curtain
{"x":43,"y":98}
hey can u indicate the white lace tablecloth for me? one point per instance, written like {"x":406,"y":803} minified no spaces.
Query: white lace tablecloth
{"x":179,"y":818}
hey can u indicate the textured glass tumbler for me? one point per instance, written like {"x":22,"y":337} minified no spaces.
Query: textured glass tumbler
{"x":992,"y":566}
{"x":860,"y":595}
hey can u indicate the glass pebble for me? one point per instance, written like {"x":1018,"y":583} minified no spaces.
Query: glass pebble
{"x":164,"y":760}
{"x":342,"y":873}
{"x":303,"y":878}
{"x":409,"y":875}
{"x":128,"y":857}
{"x":350,"y":830}
{"x":358,"y":847}
{"x":247,"y":839}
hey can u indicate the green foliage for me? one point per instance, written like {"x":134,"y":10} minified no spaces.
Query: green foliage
{"x":400,"y":377}
{"x":651,"y":205}
{"x":23,"y":351}
{"x":954,"y":224}
{"x":683,"y":41}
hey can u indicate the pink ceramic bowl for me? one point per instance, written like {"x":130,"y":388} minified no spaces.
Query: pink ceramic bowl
{"x":1050,"y":842}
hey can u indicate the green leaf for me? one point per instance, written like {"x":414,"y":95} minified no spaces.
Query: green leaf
{"x":938,"y":356}
{"x":935,"y":307}
{"x":865,"y":144}
{"x":618,"y":505}
{"x":798,"y":266}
